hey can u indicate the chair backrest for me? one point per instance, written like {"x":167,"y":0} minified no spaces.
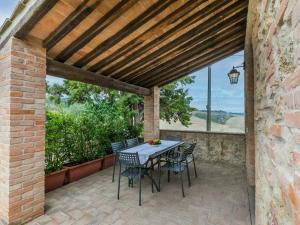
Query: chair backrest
{"x":132,"y":142}
{"x":118,"y":146}
{"x":187,"y":150}
{"x":128,"y":159}
{"x":172,"y":138}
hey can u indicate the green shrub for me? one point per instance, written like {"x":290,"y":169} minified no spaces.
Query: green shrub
{"x":83,"y":132}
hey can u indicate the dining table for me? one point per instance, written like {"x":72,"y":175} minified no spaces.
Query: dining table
{"x":148,"y":152}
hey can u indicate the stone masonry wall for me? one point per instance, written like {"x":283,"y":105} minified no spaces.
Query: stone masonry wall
{"x":276,"y":56}
{"x":22,"y":131}
{"x":213,"y":147}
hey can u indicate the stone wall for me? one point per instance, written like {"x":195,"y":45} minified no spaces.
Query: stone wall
{"x":22,"y":131}
{"x":213,"y":147}
{"x":275,"y":38}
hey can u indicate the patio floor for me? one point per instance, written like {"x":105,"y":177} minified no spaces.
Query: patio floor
{"x":218,"y":197}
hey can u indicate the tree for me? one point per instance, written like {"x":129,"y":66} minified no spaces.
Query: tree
{"x":174,"y":102}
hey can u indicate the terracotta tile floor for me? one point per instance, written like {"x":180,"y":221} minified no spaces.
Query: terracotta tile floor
{"x":217,"y":197}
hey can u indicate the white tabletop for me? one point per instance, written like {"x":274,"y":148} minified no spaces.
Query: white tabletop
{"x":146,"y":150}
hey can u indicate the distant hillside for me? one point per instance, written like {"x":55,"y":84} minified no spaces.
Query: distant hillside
{"x":220,"y":117}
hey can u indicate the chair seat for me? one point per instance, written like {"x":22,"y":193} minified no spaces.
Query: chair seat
{"x":175,"y":167}
{"x":132,"y":173}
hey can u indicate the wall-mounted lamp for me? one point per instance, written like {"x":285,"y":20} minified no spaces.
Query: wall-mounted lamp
{"x":234,"y":74}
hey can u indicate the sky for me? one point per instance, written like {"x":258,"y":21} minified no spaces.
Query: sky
{"x":225,"y":96}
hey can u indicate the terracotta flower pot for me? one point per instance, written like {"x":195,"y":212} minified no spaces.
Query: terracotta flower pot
{"x":108,"y":161}
{"x":83,"y":170}
{"x":55,"y":180}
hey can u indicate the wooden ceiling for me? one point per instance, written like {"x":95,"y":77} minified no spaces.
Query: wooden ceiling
{"x":140,"y":42}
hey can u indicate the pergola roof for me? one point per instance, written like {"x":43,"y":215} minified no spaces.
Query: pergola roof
{"x":132,"y":45}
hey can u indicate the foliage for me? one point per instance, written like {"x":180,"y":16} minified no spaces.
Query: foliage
{"x":83,"y":119}
{"x":175,"y":101}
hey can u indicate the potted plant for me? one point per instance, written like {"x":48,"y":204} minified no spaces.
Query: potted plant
{"x":54,"y":157}
{"x":85,"y":156}
{"x":55,"y":173}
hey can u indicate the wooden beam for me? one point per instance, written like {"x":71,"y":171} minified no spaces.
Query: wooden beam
{"x":184,"y":68}
{"x":96,"y":29}
{"x":195,"y":44}
{"x":75,"y":18}
{"x":151,"y":12}
{"x":69,"y":72}
{"x":236,"y":8}
{"x":211,"y":51}
{"x":25,"y":21}
{"x":167,"y":21}
{"x":202,"y":13}
{"x":199,"y":67}
{"x":34,"y":16}
{"x":216,"y":40}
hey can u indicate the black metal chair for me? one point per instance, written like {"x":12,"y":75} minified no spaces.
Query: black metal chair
{"x":116,"y":147}
{"x":178,"y":164}
{"x":173,"y":152}
{"x":133,"y":170}
{"x":189,"y":159}
{"x":132,"y":142}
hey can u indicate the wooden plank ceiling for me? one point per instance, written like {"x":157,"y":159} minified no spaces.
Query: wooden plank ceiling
{"x":140,"y":42}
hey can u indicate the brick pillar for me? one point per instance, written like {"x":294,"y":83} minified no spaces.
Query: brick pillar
{"x":22,"y":131}
{"x":151,"y":115}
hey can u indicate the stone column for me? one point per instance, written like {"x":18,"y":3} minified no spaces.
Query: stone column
{"x":151,"y":115}
{"x":22,"y":131}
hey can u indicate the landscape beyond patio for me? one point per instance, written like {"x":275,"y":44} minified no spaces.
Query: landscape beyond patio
{"x":217,"y":196}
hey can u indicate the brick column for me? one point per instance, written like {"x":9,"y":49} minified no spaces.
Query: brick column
{"x":151,"y":115}
{"x":22,"y":131}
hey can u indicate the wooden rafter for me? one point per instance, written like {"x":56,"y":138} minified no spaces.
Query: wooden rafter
{"x":95,"y":29}
{"x":69,"y":72}
{"x":75,"y":18}
{"x":185,"y":23}
{"x":132,"y":45}
{"x":206,"y":44}
{"x":181,"y":69}
{"x":193,"y":45}
{"x":35,"y":17}
{"x":237,"y":7}
{"x":151,"y":12}
{"x":201,"y":66}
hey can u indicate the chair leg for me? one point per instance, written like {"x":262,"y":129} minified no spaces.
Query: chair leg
{"x":152,"y":175}
{"x":113,"y":176}
{"x":188,"y":173}
{"x":159,"y":171}
{"x":140,"y":191}
{"x":182,"y":187}
{"x":196,"y":175}
{"x":119,"y":182}
{"x":168,"y":176}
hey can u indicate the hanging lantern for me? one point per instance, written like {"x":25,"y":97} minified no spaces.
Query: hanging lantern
{"x":233,"y":76}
